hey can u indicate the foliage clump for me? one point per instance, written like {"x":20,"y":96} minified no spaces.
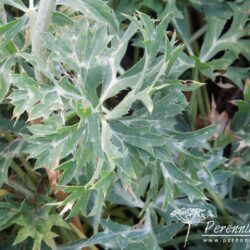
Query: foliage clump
{"x":112,"y":119}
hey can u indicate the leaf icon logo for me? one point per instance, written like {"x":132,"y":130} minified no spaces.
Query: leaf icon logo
{"x":191,"y":216}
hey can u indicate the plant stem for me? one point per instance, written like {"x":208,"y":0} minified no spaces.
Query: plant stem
{"x":33,"y":175}
{"x":201,"y":102}
{"x":39,"y":25}
{"x":185,"y":242}
{"x":199,"y":96}
{"x":81,"y":235}
{"x":193,"y":109}
{"x":3,"y":14}
{"x":136,"y":55}
{"x":31,"y":4}
{"x":22,"y":175}
{"x":20,"y":188}
{"x":197,"y":100}
{"x":78,"y":232}
{"x":206,"y":99}
{"x":219,"y":203}
{"x":198,"y":33}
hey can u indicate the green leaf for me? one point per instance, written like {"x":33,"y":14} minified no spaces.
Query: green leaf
{"x":8,"y":33}
{"x":215,"y":41}
{"x":69,"y":168}
{"x":15,"y":3}
{"x":137,"y":137}
{"x":242,"y":117}
{"x":97,"y":10}
{"x":5,"y":78}
{"x":191,"y":191}
{"x":171,"y":171}
{"x":166,"y":233}
{"x":6,"y":157}
{"x":26,"y":95}
{"x":119,"y":236}
{"x":61,"y":19}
